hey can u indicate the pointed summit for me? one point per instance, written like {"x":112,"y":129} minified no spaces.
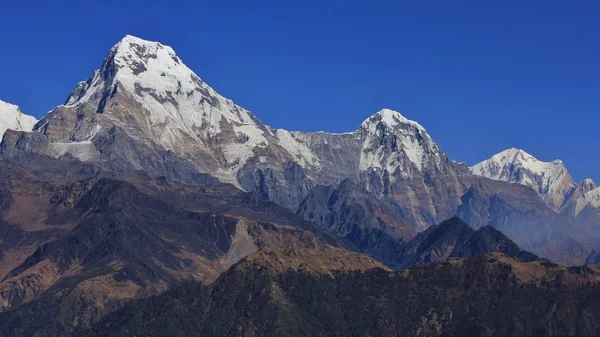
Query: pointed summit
{"x":394,"y":142}
{"x":140,"y":55}
{"x":550,"y":179}
{"x":163,"y":98}
{"x":148,"y":97}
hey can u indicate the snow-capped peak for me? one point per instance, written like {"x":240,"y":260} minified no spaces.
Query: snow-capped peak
{"x":393,"y":142}
{"x":550,"y":179}
{"x":137,"y":54}
{"x":391,"y":118}
{"x":172,"y":96}
{"x":11,"y":117}
{"x":515,"y":158}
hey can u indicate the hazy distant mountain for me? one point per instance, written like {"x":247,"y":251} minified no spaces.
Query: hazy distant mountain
{"x":550,"y":179}
{"x":455,"y":238}
{"x":584,"y":202}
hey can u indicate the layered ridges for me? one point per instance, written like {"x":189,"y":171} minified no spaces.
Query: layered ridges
{"x":144,"y":110}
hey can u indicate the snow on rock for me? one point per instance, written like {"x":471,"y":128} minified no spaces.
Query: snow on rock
{"x":550,"y":179}
{"x":183,"y":114}
{"x":84,"y":151}
{"x":393,"y":141}
{"x":586,"y":194}
{"x":178,"y":106}
{"x":301,"y":152}
{"x":171,"y":93}
{"x":11,"y":117}
{"x":591,"y":198}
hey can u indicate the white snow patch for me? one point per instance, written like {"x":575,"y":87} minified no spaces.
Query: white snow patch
{"x":84,"y":151}
{"x":238,"y":152}
{"x":12,"y":118}
{"x":296,"y":148}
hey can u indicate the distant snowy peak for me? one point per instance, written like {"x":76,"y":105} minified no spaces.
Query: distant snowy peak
{"x":587,"y":185}
{"x":585,"y":194}
{"x":11,"y":117}
{"x":550,"y":179}
{"x":393,"y":142}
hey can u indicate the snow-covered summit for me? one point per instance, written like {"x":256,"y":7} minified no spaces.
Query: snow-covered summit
{"x":171,"y":94}
{"x":11,"y":117}
{"x":144,"y":88}
{"x":550,"y":179}
{"x":393,"y":142}
{"x":391,"y":118}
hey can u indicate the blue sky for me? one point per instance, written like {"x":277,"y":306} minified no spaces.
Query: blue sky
{"x":480,"y":76}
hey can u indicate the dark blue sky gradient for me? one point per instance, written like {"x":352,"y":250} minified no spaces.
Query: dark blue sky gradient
{"x":479,"y":77}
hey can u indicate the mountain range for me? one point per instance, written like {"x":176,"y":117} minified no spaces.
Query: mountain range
{"x":146,"y":177}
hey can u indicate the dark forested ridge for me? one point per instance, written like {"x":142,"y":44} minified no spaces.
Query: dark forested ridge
{"x":491,"y":295}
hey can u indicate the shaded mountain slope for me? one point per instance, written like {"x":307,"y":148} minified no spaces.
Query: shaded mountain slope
{"x":522,"y":215}
{"x":349,"y":211}
{"x":454,"y":238}
{"x":76,"y":248}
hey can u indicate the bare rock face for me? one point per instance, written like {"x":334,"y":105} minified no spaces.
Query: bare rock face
{"x":18,"y":143}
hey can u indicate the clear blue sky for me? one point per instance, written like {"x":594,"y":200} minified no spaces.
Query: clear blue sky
{"x":479,"y":77}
